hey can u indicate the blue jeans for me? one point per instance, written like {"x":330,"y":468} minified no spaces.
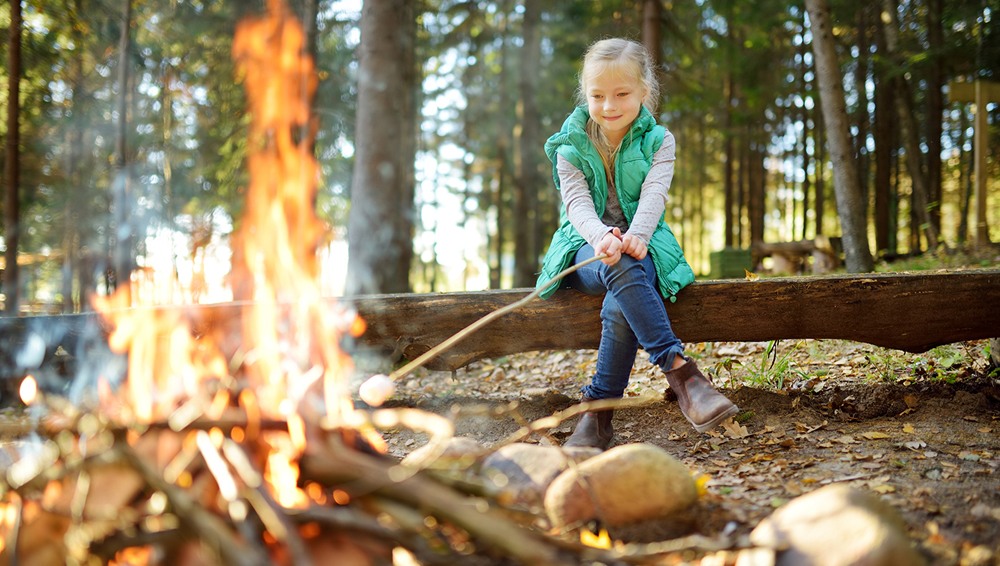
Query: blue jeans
{"x":632,"y":315}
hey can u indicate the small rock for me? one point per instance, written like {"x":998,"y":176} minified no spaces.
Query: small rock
{"x":522,"y":472}
{"x":626,"y":484}
{"x":458,"y":456}
{"x":836,"y":524}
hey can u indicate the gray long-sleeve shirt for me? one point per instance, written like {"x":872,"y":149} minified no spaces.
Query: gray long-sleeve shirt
{"x":582,"y":213}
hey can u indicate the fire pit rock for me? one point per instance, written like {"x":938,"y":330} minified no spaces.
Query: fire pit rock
{"x":624,"y":485}
{"x":836,"y":524}
{"x":521,"y":473}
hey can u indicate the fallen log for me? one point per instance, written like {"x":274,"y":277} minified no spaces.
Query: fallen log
{"x":913,"y":312}
{"x":904,"y":311}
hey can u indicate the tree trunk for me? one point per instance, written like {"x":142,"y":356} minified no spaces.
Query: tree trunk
{"x":806,"y":181}
{"x":883,"y":160}
{"x":850,"y":201}
{"x":861,"y":116}
{"x":804,"y":116}
{"x":529,"y":183}
{"x":730,"y":216}
{"x":505,"y":129}
{"x":935,"y":110}
{"x":965,"y":178}
{"x":381,"y":220}
{"x":819,"y":142}
{"x":12,"y":172}
{"x":885,"y":236}
{"x":71,"y":270}
{"x":908,"y":121}
{"x":124,"y":235}
{"x":756,"y":184}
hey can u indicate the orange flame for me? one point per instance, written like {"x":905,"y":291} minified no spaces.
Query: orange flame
{"x":275,"y":261}
{"x":288,"y":334}
{"x":289,"y":338}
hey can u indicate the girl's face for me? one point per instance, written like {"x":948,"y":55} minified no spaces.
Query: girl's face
{"x":614,"y":100}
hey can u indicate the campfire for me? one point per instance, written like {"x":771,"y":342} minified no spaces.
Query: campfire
{"x":237,"y":443}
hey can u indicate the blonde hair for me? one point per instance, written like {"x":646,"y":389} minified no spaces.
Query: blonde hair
{"x":633,"y":61}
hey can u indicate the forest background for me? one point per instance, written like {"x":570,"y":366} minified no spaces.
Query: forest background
{"x":130,"y":140}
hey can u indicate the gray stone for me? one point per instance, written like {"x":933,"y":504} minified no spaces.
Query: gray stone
{"x":626,"y":484}
{"x":834,"y":525}
{"x":522,"y":472}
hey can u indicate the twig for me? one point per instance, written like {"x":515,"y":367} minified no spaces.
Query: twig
{"x":642,"y":553}
{"x":461,"y":334}
{"x":272,"y":515}
{"x":51,"y":427}
{"x":201,"y":523}
{"x":407,"y":530}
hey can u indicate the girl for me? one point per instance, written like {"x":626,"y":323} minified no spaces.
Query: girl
{"x":613,"y":165}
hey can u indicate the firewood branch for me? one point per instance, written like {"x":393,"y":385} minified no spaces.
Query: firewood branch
{"x":209,"y":528}
{"x":339,"y":466}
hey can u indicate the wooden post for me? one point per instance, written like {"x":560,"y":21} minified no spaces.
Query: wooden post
{"x":981,"y":93}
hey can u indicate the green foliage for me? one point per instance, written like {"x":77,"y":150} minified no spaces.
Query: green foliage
{"x":772,"y":370}
{"x":769,"y":371}
{"x":944,"y":363}
{"x":941,"y":363}
{"x":737,"y":89}
{"x":888,"y":366}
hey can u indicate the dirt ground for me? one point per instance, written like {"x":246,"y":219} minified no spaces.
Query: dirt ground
{"x":921,"y":430}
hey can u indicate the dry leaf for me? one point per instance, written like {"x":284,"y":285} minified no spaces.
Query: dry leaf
{"x":874,"y":435}
{"x":751,"y":276}
{"x":735,"y":429}
{"x":908,"y":428}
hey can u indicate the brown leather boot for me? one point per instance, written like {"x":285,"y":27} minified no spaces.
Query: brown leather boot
{"x":702,"y":405}
{"x":594,"y":429}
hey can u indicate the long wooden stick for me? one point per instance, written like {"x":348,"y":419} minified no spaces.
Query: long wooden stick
{"x":462,"y":334}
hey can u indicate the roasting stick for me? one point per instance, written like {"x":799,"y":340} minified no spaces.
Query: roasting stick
{"x":380,"y":387}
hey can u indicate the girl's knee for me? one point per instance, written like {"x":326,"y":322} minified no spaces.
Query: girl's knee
{"x":630,"y":270}
{"x":611,"y":313}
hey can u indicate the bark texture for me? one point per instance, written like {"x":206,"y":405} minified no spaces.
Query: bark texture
{"x":850,"y":201}
{"x":381,"y":220}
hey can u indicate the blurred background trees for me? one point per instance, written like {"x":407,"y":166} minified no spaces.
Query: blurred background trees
{"x":131,"y":133}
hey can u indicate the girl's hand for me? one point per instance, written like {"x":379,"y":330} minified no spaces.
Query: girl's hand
{"x":611,"y":246}
{"x":634,"y":246}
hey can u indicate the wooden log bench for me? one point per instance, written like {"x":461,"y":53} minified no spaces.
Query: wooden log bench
{"x":910,"y":312}
{"x":913,"y":312}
